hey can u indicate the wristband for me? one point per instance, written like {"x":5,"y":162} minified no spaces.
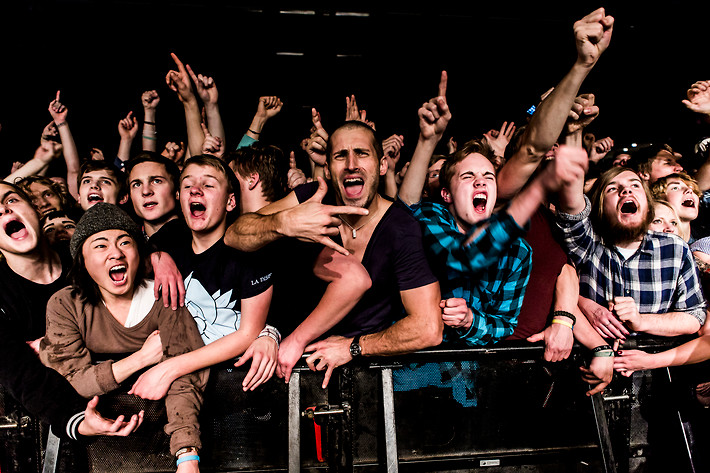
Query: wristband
{"x":271,"y":332}
{"x":149,"y":137}
{"x":255,"y":132}
{"x":604,"y":353}
{"x":60,"y":124}
{"x":563,"y":322}
{"x":564,"y":313}
{"x":601,"y":348}
{"x":148,"y":123}
{"x":187,"y":458}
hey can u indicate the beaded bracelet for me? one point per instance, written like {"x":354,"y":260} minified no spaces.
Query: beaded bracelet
{"x":564,"y":313}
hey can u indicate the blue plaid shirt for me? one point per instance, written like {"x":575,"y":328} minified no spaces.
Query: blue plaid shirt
{"x":661,"y":275}
{"x":490,"y":273}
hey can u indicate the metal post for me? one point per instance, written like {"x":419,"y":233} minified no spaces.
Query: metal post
{"x":51,"y":454}
{"x":684,"y":429}
{"x":603,"y":431}
{"x":390,"y":430}
{"x":294,"y":423}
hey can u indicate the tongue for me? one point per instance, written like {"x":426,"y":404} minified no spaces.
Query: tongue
{"x":16,"y":230}
{"x":117,"y":275}
{"x":354,"y":190}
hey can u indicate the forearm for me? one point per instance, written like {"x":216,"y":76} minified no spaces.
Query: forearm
{"x":584,"y":333}
{"x":669,"y":324}
{"x":390,"y":189}
{"x":124,"y":149}
{"x":31,"y":168}
{"x":71,"y":158}
{"x":195,"y":136}
{"x":527,"y":202}
{"x":252,"y":231}
{"x":214,"y":122}
{"x":125,"y":368}
{"x":256,"y":126}
{"x":421,"y":328}
{"x":149,"y":135}
{"x":410,"y":192}
{"x":541,"y":134}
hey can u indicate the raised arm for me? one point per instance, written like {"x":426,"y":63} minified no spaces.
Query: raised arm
{"x":179,"y":82}
{"x":71,"y":154}
{"x":592,"y":35}
{"x":207,"y":90}
{"x":699,"y":102}
{"x":45,"y":154}
{"x":268,"y":107}
{"x":127,"y":130}
{"x":150,"y":101}
{"x":392,"y":148}
{"x":434,"y":116}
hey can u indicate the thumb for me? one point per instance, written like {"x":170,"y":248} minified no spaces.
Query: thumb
{"x":292,"y":160}
{"x":320,"y":193}
{"x":538,"y":337}
{"x":93,"y":402}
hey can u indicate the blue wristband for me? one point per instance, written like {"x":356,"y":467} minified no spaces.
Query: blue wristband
{"x":187,"y":458}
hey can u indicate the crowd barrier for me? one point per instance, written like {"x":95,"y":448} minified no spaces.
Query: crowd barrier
{"x":500,"y":409}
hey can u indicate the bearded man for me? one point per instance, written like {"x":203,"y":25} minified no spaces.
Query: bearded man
{"x":648,"y":280}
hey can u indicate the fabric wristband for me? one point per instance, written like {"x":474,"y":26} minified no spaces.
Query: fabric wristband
{"x":271,"y":332}
{"x":148,"y":123}
{"x":255,"y":132}
{"x":564,"y":313}
{"x":601,"y":348}
{"x":604,"y":353}
{"x":187,"y":458}
{"x":563,"y":322}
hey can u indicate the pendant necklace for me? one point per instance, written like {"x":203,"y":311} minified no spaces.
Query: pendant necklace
{"x":358,"y":228}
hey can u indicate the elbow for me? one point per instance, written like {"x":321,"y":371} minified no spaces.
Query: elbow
{"x":433,"y":333}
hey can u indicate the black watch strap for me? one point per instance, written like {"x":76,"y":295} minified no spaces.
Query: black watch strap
{"x":355,"y":348}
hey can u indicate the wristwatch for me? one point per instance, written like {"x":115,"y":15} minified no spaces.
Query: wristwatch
{"x":184,"y":450}
{"x":355,"y":348}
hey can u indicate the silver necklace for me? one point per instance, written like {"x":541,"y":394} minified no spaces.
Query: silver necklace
{"x":358,"y":228}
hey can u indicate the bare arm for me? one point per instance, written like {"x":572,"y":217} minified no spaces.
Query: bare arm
{"x":348,"y":280}
{"x":47,"y":151}
{"x":71,"y":154}
{"x":592,"y":34}
{"x":207,"y":90}
{"x":150,"y":101}
{"x":179,"y":82}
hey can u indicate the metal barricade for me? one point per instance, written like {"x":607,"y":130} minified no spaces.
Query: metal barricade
{"x":498,"y":409}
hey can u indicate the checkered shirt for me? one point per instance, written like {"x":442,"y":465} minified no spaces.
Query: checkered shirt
{"x":660,"y":276}
{"x":490,"y":273}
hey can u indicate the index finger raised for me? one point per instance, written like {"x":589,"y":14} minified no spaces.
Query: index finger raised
{"x":443,"y":82}
{"x":178,"y":62}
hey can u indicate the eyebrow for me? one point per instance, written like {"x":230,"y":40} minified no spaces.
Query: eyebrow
{"x":204,"y":175}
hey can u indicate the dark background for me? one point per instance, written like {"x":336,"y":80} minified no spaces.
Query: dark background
{"x":500,"y":57}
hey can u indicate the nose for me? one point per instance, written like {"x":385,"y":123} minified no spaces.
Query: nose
{"x":677,"y":167}
{"x":351,"y":161}
{"x":115,"y":251}
{"x":668,"y":229}
{"x":147,"y":190}
{"x":196,"y":190}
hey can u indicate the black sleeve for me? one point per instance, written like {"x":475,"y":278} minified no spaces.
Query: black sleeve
{"x":41,"y":390}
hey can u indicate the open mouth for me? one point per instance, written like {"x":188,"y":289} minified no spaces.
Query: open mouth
{"x":629,"y":207}
{"x":15,"y":229}
{"x":118,"y":273}
{"x":150,"y":205}
{"x":197,"y":209}
{"x":689,"y":203}
{"x":353,"y":186}
{"x":93,"y":198}
{"x":479,"y":202}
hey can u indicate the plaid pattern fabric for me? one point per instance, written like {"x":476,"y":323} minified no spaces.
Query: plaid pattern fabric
{"x":661,"y":275}
{"x":490,"y":273}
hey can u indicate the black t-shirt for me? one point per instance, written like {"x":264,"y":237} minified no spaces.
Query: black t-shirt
{"x":216,"y":281}
{"x":395,"y":260}
{"x":173,"y":234}
{"x":24,"y":302}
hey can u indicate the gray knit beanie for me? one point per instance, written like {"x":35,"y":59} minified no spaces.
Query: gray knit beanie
{"x":100,"y":217}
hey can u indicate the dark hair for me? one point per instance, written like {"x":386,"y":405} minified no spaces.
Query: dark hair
{"x":351,"y":125}
{"x":479,"y":146}
{"x":52,"y":215}
{"x":91,"y":166}
{"x":266,"y":160}
{"x":84,"y":286}
{"x":152,"y":157}
{"x":19,"y":191}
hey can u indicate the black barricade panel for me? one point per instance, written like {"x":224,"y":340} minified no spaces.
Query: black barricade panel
{"x":499,"y":410}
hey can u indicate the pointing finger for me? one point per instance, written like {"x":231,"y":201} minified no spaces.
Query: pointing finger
{"x":443,"y":84}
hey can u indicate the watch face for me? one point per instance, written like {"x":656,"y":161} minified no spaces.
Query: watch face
{"x":355,"y":348}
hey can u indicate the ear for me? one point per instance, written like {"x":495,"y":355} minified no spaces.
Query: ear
{"x":231,"y":202}
{"x":326,"y":171}
{"x":383,"y":166}
{"x":446,"y":195}
{"x":123,"y":200}
{"x":253,"y":180}
{"x":645,"y":176}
